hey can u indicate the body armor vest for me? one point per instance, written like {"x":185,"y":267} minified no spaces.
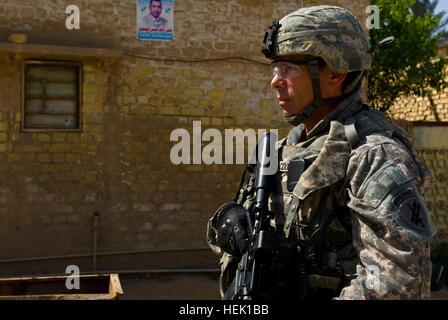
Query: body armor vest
{"x":310,"y":208}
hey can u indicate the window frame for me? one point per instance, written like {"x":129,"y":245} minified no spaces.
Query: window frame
{"x":78,"y":65}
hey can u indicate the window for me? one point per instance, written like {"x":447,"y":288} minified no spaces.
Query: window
{"x":51,"y":96}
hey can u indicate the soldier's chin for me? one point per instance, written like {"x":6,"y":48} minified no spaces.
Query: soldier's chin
{"x":285,"y":105}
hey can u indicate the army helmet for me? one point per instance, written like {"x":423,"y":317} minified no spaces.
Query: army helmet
{"x":329,"y":32}
{"x":326,"y":32}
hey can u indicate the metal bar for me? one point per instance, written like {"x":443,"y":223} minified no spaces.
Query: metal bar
{"x":55,"y":129}
{"x":72,"y":98}
{"x":110,"y":253}
{"x":95,"y":227}
{"x":49,"y":81}
{"x":82,"y":255}
{"x":44,"y":97}
{"x":126,"y":271}
{"x":52,"y":114}
{"x":58,"y":64}
{"x":41,"y":127}
{"x":181,"y":270}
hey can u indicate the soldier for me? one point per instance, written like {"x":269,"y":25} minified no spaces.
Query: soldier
{"x":358,"y":206}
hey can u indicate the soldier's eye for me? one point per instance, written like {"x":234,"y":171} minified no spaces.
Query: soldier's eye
{"x":285,"y":69}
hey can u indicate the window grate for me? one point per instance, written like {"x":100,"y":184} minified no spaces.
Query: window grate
{"x":51,"y":95}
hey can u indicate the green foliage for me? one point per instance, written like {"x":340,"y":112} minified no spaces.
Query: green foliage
{"x":408,"y":66}
{"x":420,"y":8}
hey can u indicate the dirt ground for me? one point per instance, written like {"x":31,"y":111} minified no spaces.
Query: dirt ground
{"x":187,"y":287}
{"x":170,"y":287}
{"x":440,"y":295}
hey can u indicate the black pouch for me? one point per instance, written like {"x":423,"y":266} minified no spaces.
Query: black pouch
{"x":437,"y":278}
{"x":295,"y":169}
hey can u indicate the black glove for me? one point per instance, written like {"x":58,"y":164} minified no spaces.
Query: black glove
{"x":231,"y":226}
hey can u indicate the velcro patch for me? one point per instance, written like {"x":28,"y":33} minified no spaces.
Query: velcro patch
{"x":382,"y":183}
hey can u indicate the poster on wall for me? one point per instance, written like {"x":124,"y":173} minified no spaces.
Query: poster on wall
{"x":155,"y":19}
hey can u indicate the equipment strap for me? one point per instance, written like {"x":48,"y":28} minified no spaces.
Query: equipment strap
{"x":352,"y":135}
{"x":291,"y":216}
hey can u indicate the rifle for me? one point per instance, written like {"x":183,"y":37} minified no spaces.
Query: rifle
{"x":271,"y":267}
{"x":253,"y":277}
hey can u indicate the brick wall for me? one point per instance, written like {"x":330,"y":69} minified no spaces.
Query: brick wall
{"x":427,"y":117}
{"x":437,"y":197}
{"x":432,"y":107}
{"x":119,"y":164}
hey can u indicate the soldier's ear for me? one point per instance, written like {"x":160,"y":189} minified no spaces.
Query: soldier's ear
{"x":337,"y":78}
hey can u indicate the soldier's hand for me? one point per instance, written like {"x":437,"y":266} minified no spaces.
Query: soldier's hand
{"x":231,"y":225}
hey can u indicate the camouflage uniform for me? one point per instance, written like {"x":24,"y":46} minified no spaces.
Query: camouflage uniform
{"x":359,"y":202}
{"x":380,"y":180}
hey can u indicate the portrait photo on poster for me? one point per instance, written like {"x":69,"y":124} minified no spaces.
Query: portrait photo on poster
{"x":155,"y":19}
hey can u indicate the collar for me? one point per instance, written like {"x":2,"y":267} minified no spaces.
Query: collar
{"x":346,"y":108}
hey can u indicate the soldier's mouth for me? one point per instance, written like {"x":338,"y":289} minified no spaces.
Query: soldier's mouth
{"x":283,"y":101}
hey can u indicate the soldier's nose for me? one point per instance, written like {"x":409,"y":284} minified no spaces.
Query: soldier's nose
{"x":277,"y":82}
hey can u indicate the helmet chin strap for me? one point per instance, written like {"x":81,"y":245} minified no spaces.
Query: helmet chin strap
{"x":310,"y":108}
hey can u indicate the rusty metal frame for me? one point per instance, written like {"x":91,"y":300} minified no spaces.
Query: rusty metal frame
{"x":114,"y":288}
{"x":78,"y":65}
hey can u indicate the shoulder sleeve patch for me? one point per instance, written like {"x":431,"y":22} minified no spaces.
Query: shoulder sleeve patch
{"x":409,"y":210}
{"x":398,"y":194}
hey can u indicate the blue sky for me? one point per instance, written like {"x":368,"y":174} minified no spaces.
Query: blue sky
{"x":442,"y":5}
